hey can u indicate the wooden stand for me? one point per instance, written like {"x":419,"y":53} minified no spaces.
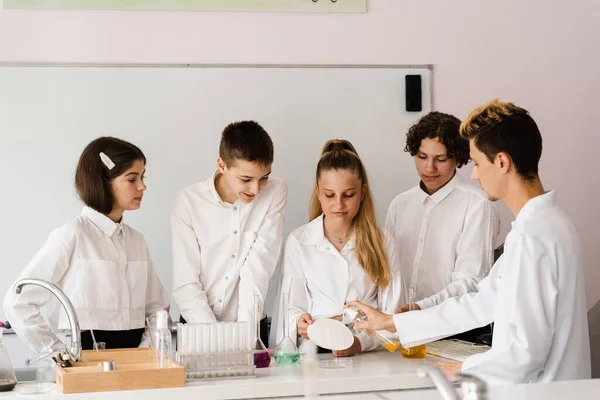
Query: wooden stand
{"x":136,"y":369}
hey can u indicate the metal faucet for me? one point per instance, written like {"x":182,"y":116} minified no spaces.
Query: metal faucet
{"x":67,"y":356}
{"x":471,"y":387}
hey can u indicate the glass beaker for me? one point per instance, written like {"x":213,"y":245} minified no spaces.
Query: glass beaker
{"x":415,"y":351}
{"x":262,"y":359}
{"x":8,"y":380}
{"x":357,"y":315}
{"x":286,"y":352}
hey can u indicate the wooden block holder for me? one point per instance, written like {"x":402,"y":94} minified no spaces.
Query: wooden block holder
{"x":136,"y":369}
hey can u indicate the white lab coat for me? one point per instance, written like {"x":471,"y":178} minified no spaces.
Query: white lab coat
{"x":105,"y":270}
{"x":320,"y":279}
{"x":535,"y":295}
{"x":224,"y":254}
{"x":445,"y":241}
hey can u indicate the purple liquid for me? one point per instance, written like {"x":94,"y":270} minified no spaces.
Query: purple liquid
{"x":262,"y":359}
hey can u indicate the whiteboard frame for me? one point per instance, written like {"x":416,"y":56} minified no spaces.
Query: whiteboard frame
{"x":200,"y":65}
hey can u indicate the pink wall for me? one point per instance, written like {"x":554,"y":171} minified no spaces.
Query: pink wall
{"x":543,"y":57}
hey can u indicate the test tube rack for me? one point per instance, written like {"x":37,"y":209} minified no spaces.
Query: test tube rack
{"x":215,"y":350}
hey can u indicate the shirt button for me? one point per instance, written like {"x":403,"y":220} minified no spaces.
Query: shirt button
{"x":235,"y":232}
{"x":328,"y":248}
{"x":220,"y":301}
{"x":226,"y":277}
{"x":233,"y":256}
{"x":234,"y":208}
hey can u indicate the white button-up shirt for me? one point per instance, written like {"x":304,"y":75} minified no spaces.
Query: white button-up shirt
{"x":320,"y":280}
{"x":535,"y":295}
{"x":445,"y":241}
{"x":224,"y":254}
{"x":103,"y":267}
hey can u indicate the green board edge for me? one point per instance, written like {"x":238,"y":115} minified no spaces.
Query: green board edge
{"x":324,"y":6}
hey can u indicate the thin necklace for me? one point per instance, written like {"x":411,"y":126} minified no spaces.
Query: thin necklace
{"x":339,"y":239}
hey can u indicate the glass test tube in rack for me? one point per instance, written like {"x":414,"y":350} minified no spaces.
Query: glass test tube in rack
{"x":215,"y":350}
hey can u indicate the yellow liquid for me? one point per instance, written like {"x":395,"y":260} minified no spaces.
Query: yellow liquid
{"x":391,"y":347}
{"x":414,"y":352}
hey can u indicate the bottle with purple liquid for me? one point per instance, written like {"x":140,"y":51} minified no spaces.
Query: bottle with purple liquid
{"x":262,"y":359}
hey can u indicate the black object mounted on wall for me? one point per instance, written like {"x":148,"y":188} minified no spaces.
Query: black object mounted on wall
{"x":413,"y":93}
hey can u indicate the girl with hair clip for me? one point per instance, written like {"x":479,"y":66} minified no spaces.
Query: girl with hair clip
{"x":339,"y":256}
{"x":102,"y":264}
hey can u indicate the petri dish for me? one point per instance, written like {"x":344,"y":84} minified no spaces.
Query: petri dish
{"x":335,"y":363}
{"x":33,"y":388}
{"x":330,"y":334}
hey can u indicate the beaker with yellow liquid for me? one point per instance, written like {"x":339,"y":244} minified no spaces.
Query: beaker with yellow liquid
{"x":415,"y":351}
{"x":391,"y":347}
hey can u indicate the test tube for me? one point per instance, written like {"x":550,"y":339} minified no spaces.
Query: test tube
{"x":229,"y":344}
{"x":245,"y":335}
{"x":179,"y":328}
{"x":220,"y":329}
{"x":192,"y":338}
{"x":198,"y":339}
{"x":213,"y":338}
{"x":357,"y":315}
{"x":184,"y":339}
{"x":235,"y":334}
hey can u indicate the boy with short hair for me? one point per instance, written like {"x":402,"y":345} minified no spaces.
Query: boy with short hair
{"x":227,"y":231}
{"x":535,"y":294}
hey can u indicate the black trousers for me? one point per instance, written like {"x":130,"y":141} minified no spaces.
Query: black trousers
{"x":321,"y":350}
{"x":113,"y":339}
{"x":473,"y":335}
{"x":264,"y":331}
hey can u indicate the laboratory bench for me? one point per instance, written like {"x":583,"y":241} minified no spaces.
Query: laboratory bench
{"x":374,"y":375}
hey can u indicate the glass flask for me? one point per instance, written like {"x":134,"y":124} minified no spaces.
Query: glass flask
{"x":8,"y":380}
{"x":286,"y":352}
{"x":262,"y":359}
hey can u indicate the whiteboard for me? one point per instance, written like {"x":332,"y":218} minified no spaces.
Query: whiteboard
{"x":175,"y":114}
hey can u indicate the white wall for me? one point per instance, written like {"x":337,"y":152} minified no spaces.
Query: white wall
{"x":540,"y":55}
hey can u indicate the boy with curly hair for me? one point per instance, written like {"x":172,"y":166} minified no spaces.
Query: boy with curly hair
{"x":444,"y":228}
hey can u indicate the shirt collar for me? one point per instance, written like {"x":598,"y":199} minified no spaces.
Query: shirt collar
{"x":315,"y":235}
{"x":105,"y":224}
{"x":535,"y":205}
{"x":441,"y":194}
{"x":213,"y":189}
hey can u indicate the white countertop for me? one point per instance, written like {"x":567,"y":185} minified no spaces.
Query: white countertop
{"x":378,"y":375}
{"x":374,"y":371}
{"x":568,"y":390}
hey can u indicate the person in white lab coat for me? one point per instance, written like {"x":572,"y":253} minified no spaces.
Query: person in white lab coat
{"x":444,"y":228}
{"x":102,"y":264}
{"x":227,"y":231}
{"x":341,"y":254}
{"x":535,"y":293}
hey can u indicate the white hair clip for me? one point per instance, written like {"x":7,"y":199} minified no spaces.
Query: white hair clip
{"x":107,"y":161}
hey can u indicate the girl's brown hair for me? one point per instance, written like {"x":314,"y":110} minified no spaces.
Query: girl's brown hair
{"x":93,"y":177}
{"x":341,"y":154}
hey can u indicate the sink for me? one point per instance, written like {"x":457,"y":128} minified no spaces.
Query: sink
{"x":32,"y":381}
